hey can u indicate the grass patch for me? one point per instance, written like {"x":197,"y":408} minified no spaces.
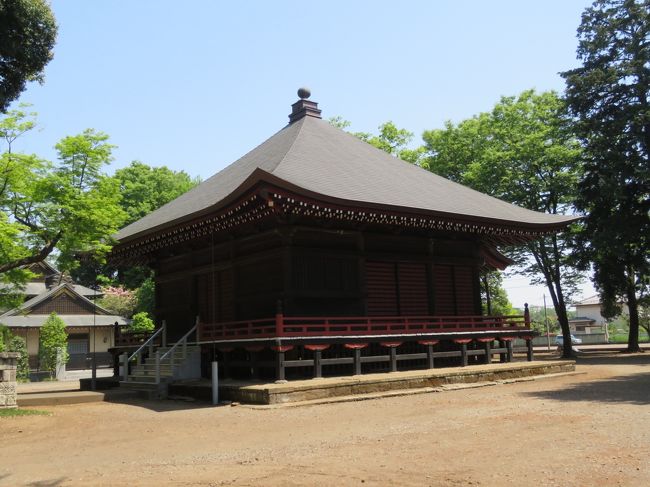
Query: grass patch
{"x":9,"y":412}
{"x":622,"y":338}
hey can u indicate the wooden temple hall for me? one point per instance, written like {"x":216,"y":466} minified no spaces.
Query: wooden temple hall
{"x":318,"y":254}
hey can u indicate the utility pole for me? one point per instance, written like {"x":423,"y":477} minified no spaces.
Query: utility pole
{"x":548,"y":332}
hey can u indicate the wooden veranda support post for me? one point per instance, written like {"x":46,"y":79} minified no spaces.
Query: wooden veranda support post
{"x":487,"y":343}
{"x":318,"y":353}
{"x":429,"y":344}
{"x":392,"y":346}
{"x":463,"y":350}
{"x":529,"y":346}
{"x":279,"y":360}
{"x":508,"y":341}
{"x":357,"y":355}
{"x":279,"y":365}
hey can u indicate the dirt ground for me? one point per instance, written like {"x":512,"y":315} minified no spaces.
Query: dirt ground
{"x":591,"y":428}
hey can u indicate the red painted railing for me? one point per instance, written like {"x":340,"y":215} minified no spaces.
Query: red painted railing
{"x":283,"y":326}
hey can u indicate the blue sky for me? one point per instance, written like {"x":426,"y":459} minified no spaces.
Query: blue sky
{"x":194,"y":85}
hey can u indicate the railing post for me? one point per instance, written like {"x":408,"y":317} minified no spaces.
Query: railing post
{"x":357,"y":361}
{"x":125,"y":364}
{"x":526,"y":315}
{"x":164,"y":333}
{"x":430,"y":363}
{"x":279,"y":365}
{"x":393,"y":359}
{"x":318,"y":369}
{"x":279,"y":321}
{"x":157,"y":366}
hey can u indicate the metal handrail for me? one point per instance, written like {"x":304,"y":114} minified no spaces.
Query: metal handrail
{"x":148,"y":342}
{"x":183,"y":341}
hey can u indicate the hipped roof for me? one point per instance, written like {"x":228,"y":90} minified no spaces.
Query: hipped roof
{"x":313,"y":156}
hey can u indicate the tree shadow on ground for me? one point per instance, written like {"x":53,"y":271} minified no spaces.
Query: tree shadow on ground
{"x":612,"y":358}
{"x":163,"y":405}
{"x":633,"y":388}
{"x":48,"y":483}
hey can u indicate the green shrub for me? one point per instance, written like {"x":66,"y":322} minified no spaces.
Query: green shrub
{"x":141,"y":323}
{"x":17,"y":344}
{"x":53,"y":336}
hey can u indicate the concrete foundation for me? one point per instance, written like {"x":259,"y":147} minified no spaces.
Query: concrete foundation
{"x":317,"y":389}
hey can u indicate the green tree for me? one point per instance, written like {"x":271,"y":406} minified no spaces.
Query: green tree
{"x":146,"y":296}
{"x":608,"y":97}
{"x":53,"y":338}
{"x":17,"y":344}
{"x":494,"y":297}
{"x":524,"y":152}
{"x":144,"y":189}
{"x":390,"y":139}
{"x":141,"y":323}
{"x":65,"y":208}
{"x":28,"y":32}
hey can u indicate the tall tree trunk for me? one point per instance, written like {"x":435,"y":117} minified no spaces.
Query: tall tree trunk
{"x":488,"y":298}
{"x":550,"y":267}
{"x":633,"y":307}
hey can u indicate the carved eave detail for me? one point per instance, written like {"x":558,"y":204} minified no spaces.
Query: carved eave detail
{"x":269,"y":201}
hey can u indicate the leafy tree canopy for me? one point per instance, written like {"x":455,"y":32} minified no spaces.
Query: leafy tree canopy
{"x":145,"y":188}
{"x":390,"y":139}
{"x":63,"y":208}
{"x":28,"y":32}
{"x":524,"y":152}
{"x":141,"y":323}
{"x":608,"y":96}
{"x":493,"y":296}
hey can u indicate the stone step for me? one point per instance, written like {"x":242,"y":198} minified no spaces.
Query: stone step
{"x":142,"y":378}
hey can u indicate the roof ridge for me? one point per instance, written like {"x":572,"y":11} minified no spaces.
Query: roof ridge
{"x":300,"y":124}
{"x":30,"y":303}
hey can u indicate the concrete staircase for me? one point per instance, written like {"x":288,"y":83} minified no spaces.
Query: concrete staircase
{"x":152,"y":382}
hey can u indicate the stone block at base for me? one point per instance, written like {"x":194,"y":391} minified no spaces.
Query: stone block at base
{"x":8,"y":364}
{"x":315,"y":389}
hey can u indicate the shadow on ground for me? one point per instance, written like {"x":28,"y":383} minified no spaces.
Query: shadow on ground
{"x":48,"y":483}
{"x":633,"y":388}
{"x":162,"y":405}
